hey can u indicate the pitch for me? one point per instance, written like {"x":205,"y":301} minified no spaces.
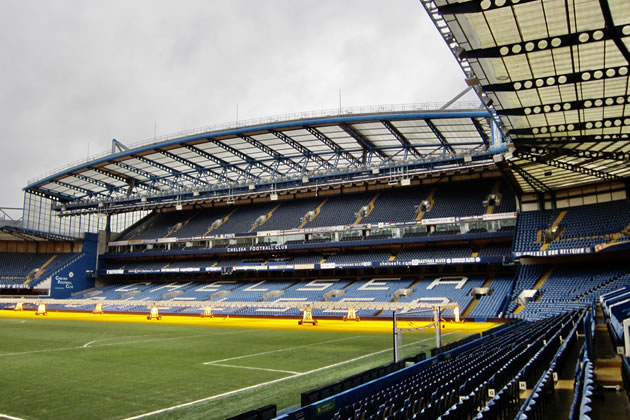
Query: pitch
{"x":69,"y":368}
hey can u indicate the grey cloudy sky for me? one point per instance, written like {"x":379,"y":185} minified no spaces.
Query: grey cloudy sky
{"x":76,"y":73}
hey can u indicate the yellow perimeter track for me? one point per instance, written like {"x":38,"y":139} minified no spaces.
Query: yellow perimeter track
{"x":324,"y":324}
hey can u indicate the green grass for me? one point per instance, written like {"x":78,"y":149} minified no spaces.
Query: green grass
{"x":54,"y":369}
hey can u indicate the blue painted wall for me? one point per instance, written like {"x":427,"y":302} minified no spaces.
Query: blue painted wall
{"x":76,"y":276}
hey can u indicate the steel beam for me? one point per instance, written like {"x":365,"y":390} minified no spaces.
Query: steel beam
{"x":200,"y":169}
{"x":618,"y":122}
{"x":401,"y":139}
{"x":533,"y":182}
{"x":578,"y":153}
{"x":308,"y":154}
{"x":368,"y":148}
{"x":162,"y":167}
{"x":333,"y":146}
{"x":151,"y":177}
{"x":545,"y":160}
{"x":81,"y":190}
{"x":546,"y":44}
{"x":439,"y":136}
{"x":247,"y":159}
{"x":109,"y":187}
{"x":225,"y":165}
{"x":268,"y":150}
{"x":476,"y":6}
{"x":557,"y":80}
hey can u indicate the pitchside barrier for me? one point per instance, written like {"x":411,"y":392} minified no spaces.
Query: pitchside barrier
{"x":325,"y":409}
{"x":263,"y":413}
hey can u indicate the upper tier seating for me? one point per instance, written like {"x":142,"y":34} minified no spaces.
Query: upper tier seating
{"x":393,"y":205}
{"x":340,"y":210}
{"x":584,"y":226}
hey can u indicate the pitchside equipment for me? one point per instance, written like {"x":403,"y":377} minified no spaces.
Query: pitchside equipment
{"x":307,"y":318}
{"x":41,"y":309}
{"x":207,"y":312}
{"x":351,"y":315}
{"x":155,"y":314}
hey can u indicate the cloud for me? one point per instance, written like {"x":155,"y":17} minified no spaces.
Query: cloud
{"x":77,"y":73}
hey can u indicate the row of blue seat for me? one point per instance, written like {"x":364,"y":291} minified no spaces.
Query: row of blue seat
{"x":436,"y":389}
{"x":395,"y":205}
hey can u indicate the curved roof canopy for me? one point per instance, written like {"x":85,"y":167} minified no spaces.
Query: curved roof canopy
{"x":265,"y":153}
{"x":556,"y":73}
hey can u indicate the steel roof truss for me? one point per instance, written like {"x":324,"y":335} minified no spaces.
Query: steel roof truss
{"x":579,"y":153}
{"x":567,"y":166}
{"x":559,"y":79}
{"x":76,"y":188}
{"x":109,"y":187}
{"x":408,"y":148}
{"x":277,"y":157}
{"x":200,"y":169}
{"x":577,"y":126}
{"x":225,"y":165}
{"x":177,"y":174}
{"x":334,"y":147}
{"x":368,"y":147}
{"x":439,"y":136}
{"x":308,"y":154}
{"x":566,"y":106}
{"x":477,"y":6}
{"x":151,"y":177}
{"x":130,"y":182}
{"x":529,"y":179}
{"x":548,"y":141}
{"x":610,"y":23}
{"x":550,"y":43}
{"x":251,"y":162}
{"x":482,"y":133}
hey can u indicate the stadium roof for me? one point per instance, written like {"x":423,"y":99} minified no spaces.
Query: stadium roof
{"x":268,"y":151}
{"x":557,"y":75}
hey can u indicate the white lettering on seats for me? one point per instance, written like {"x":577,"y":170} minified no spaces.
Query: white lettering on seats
{"x":317,"y":285}
{"x":253,"y":288}
{"x":171,"y":287}
{"x":214,"y":286}
{"x":131,"y":287}
{"x":377,"y":284}
{"x":460,"y":281}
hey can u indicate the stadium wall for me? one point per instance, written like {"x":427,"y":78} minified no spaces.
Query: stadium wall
{"x":78,"y":275}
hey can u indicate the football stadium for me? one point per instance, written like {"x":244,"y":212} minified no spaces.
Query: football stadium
{"x":454,"y":261}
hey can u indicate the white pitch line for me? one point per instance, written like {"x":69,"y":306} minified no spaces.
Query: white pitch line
{"x":115,"y":344}
{"x":256,"y":368}
{"x":6,"y":416}
{"x":275,"y":381}
{"x":86,"y":345}
{"x":278,"y":350}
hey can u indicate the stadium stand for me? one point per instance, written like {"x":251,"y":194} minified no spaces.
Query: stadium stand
{"x":573,"y":227}
{"x":29,"y":268}
{"x":454,"y":384}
